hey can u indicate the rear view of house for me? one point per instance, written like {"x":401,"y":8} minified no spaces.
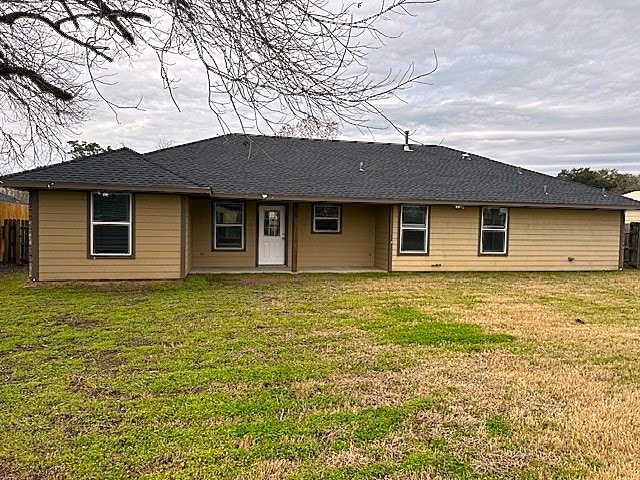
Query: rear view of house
{"x":259,"y":203}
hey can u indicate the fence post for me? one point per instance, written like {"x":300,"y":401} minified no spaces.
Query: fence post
{"x":4,"y":240}
{"x":24,"y":232}
{"x":635,"y":244}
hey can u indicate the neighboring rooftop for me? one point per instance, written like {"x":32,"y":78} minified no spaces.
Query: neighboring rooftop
{"x":9,"y":199}
{"x":255,"y":165}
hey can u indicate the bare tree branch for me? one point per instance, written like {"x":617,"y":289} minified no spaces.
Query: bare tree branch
{"x":267,"y":62}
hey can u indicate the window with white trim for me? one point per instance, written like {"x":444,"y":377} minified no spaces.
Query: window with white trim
{"x":228,"y":226}
{"x":494,"y":228}
{"x":111,"y":229}
{"x":327,"y":218}
{"x":414,"y":229}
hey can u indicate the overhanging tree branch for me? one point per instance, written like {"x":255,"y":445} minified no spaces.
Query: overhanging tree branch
{"x":267,"y":62}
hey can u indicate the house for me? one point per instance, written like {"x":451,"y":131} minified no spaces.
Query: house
{"x":4,"y":198}
{"x":258,"y":203}
{"x":633,"y":216}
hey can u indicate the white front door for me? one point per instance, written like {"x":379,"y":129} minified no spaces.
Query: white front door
{"x":271,"y":235}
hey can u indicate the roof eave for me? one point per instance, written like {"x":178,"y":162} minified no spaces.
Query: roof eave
{"x":395,"y":201}
{"x":42,"y":185}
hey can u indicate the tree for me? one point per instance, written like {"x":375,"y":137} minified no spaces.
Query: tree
{"x":609,"y":179}
{"x":266,"y":61}
{"x":311,"y":127}
{"x":79,"y":149}
{"x":164,"y":143}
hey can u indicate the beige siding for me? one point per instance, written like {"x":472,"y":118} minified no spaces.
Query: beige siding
{"x":354,"y":247}
{"x":381,"y":253}
{"x":539,"y":239}
{"x":633,"y":215}
{"x":202,"y":254}
{"x":63,"y":230}
{"x":187,"y":237}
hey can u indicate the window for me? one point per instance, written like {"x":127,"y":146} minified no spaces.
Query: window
{"x":111,"y":233}
{"x":228,"y":226}
{"x":414,"y":229}
{"x":494,"y":231}
{"x":271,"y":223}
{"x":327,"y":218}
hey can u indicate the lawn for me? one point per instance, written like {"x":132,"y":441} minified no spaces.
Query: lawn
{"x":451,"y":376}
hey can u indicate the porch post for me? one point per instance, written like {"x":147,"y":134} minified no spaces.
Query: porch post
{"x":390,"y":241}
{"x":34,"y":235}
{"x":294,"y":239}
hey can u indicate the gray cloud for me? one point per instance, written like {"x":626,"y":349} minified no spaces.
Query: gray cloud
{"x":545,"y":85}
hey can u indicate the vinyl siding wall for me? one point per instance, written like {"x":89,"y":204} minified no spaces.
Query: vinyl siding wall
{"x":354,"y":247}
{"x":63,"y":228}
{"x":539,"y":239}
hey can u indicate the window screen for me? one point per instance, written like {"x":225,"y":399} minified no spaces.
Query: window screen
{"x":414,"y":228}
{"x":326,"y":218}
{"x":228,"y":226}
{"x":494,"y":230}
{"x":111,"y":224}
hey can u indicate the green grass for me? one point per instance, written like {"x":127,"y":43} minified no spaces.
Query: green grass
{"x":405,"y":325}
{"x":279,"y":376}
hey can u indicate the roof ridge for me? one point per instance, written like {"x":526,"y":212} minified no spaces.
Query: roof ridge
{"x":189,"y":143}
{"x":67,"y":162}
{"x":278,"y":137}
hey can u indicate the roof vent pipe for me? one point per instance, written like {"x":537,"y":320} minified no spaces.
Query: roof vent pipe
{"x":407,"y":148}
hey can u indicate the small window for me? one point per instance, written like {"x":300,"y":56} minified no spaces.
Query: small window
{"x":228,"y":226}
{"x":271,"y":223}
{"x":494,"y":231}
{"x":414,"y":229}
{"x":326,"y":218}
{"x":111,"y":233}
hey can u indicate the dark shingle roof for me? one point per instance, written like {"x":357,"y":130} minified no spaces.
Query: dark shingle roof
{"x":113,"y":167}
{"x":254,"y":165}
{"x":9,"y":199}
{"x":247,"y":164}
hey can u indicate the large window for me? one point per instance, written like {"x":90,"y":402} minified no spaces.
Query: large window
{"x":228,"y":226}
{"x":326,"y":218}
{"x":494,"y":228}
{"x":414,"y":229}
{"x":111,"y":232}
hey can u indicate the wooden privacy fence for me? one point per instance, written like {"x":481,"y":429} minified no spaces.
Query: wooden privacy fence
{"x":632,"y":245}
{"x":14,"y":241}
{"x":18,"y":211}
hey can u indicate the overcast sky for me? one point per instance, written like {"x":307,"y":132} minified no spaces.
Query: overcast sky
{"x":542,"y":84}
